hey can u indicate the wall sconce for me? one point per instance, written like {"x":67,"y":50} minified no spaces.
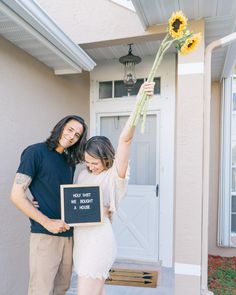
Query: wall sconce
{"x":129,"y":61}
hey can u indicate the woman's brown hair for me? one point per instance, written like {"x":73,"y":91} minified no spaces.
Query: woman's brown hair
{"x":100,"y":147}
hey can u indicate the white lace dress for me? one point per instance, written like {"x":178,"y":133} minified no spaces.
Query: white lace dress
{"x":95,"y":246}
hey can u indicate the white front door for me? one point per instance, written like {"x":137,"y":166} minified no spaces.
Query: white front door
{"x":136,"y":223}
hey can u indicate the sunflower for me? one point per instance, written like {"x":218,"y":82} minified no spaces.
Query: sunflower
{"x":185,"y":41}
{"x":177,"y":24}
{"x":190,"y":43}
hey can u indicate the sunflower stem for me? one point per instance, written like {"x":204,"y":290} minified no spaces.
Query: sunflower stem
{"x":142,"y":101}
{"x":144,"y":116}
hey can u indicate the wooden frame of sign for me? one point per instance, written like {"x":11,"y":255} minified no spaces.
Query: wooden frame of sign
{"x":81,"y":205}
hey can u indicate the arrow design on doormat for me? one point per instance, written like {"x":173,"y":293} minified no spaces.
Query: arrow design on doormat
{"x":132,"y":277}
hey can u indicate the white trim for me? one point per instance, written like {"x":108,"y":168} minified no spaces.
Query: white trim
{"x":191,"y":68}
{"x":67,"y":72}
{"x":188,"y":269}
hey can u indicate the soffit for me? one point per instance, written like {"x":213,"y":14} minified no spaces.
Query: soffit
{"x":29,"y":28}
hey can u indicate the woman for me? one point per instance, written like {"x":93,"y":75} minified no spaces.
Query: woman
{"x":94,"y":246}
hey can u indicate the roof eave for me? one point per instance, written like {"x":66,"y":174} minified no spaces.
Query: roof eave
{"x":29,"y":15}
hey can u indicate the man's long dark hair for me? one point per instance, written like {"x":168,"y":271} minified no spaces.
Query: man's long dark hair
{"x":75,"y":153}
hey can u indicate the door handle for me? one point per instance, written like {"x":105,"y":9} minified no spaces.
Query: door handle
{"x":157,"y":190}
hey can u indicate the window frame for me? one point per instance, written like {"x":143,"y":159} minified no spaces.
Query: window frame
{"x":225,"y":234}
{"x":113,"y":82}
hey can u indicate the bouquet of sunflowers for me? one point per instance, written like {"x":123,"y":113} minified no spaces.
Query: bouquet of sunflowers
{"x":184,"y":41}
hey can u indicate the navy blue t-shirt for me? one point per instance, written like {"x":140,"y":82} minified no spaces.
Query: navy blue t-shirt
{"x":48,"y":170}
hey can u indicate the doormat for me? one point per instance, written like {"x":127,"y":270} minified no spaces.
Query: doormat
{"x":132,"y":277}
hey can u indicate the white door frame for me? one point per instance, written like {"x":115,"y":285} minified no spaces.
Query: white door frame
{"x":163,"y":103}
{"x":166,"y":168}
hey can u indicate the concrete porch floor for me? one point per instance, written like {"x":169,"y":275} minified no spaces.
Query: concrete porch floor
{"x":165,"y":286}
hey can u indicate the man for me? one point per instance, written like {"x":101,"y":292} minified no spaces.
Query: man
{"x":43,"y":168}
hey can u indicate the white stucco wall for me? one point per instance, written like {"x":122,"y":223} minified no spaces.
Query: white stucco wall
{"x":32,"y":100}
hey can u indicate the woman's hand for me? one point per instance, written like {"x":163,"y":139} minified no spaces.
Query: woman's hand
{"x":148,"y":88}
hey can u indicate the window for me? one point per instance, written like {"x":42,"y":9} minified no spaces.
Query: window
{"x":106,"y":88}
{"x":157,"y":89}
{"x":233,"y":215}
{"x":120,"y":89}
{"x":227,"y":203}
{"x":233,"y":160}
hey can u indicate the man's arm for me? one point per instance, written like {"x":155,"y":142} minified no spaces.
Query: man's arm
{"x":21,"y":201}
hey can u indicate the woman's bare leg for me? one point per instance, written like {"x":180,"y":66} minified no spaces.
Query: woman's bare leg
{"x":90,"y":286}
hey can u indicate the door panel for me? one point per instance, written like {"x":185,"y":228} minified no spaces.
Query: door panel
{"x":143,"y":150}
{"x":136,"y":222}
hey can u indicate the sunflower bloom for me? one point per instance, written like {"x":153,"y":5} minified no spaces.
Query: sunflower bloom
{"x":184,"y":41}
{"x":177,"y":24}
{"x":190,"y":43}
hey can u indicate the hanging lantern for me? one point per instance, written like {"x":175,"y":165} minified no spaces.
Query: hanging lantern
{"x":129,"y":61}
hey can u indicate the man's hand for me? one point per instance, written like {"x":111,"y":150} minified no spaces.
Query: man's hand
{"x":56,"y":226}
{"x":30,"y":208}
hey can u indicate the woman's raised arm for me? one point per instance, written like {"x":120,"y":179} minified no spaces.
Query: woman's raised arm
{"x":126,"y":136}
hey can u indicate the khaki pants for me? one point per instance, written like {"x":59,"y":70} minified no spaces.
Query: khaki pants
{"x":50,"y":264}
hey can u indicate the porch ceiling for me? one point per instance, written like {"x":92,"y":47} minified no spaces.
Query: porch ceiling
{"x":220,"y":17}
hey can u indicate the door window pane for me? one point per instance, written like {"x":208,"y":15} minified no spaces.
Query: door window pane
{"x":157,"y":89}
{"x":105,"y":89}
{"x":120,"y":89}
{"x":136,"y":87}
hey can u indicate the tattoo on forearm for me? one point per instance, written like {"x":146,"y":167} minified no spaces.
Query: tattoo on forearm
{"x":23,"y":179}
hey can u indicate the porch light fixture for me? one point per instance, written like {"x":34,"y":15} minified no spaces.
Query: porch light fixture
{"x":129,"y":61}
